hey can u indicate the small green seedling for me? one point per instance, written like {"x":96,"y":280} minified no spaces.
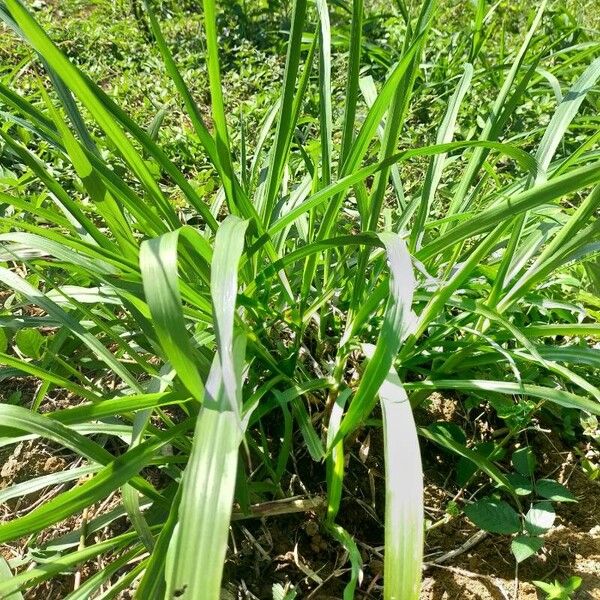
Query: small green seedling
{"x":559,"y":591}
{"x":498,"y":516}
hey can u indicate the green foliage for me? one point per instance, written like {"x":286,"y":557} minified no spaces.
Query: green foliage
{"x":539,"y":518}
{"x":493,"y":515}
{"x":547,"y":488}
{"x":220,"y":290}
{"x":524,"y":546}
{"x":282,"y":593}
{"x":524,"y":461}
{"x":30,"y":342}
{"x":559,"y":591}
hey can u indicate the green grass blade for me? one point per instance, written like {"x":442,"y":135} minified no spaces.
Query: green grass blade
{"x":356,"y":562}
{"x":497,"y":114}
{"x":72,"y":211}
{"x":209,"y":479}
{"x":38,"y":298}
{"x":229,"y":246}
{"x":335,"y":459}
{"x":478,"y":36}
{"x":39,"y":483}
{"x":48,"y":376}
{"x":369,"y":92}
{"x":567,"y":232}
{"x":563,"y":329}
{"x":309,"y":435}
{"x":216,"y":95}
{"x":90,"y":586}
{"x":397,"y":113}
{"x":554,"y":133}
{"x":352,"y":80}
{"x":114,"y":406}
{"x":159,"y":267}
{"x":60,"y":564}
{"x":112,"y":476}
{"x":560,"y":397}
{"x":367,"y":131}
{"x":551,"y":190}
{"x":284,"y":132}
{"x":325,"y":93}
{"x":100,"y":196}
{"x":393,"y":330}
{"x":358,"y":175}
{"x":7,"y":576}
{"x":444,"y":440}
{"x":564,"y":115}
{"x":16,"y":418}
{"x":404,"y":513}
{"x":152,"y":585}
{"x":463,"y":273}
{"x":436,"y":166}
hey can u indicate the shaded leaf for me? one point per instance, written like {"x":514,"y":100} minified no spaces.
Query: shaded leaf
{"x":524,"y":461}
{"x":495,"y":516}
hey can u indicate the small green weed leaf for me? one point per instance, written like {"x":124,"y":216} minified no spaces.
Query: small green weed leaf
{"x":495,"y":516}
{"x":14,"y":398}
{"x":552,"y":490}
{"x":523,"y":486}
{"x":557,"y":590}
{"x":3,"y":340}
{"x":539,"y":518}
{"x":591,"y":470}
{"x":524,"y":546}
{"x":283,"y":593}
{"x":452,"y":508}
{"x":524,"y":461}
{"x":30,"y":342}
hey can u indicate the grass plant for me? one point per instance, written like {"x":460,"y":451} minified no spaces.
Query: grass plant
{"x":187,"y":336}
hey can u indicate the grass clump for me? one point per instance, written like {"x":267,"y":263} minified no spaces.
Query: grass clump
{"x":331,"y":254}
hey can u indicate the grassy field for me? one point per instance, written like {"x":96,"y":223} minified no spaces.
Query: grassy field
{"x":299,"y":299}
